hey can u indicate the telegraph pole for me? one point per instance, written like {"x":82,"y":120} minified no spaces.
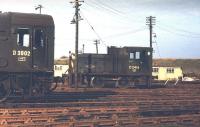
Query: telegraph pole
{"x":96,"y":43}
{"x":39,"y":7}
{"x":75,"y":21}
{"x":150,"y":21}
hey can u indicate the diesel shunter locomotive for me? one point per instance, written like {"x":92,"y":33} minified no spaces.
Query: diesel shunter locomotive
{"x":26,"y":53}
{"x":120,"y":66}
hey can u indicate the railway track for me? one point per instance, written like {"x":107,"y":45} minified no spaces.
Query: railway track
{"x":107,"y":117}
{"x":40,"y":116}
{"x":174,"y":106}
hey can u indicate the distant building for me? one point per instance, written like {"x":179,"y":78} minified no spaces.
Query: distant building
{"x":167,"y":73}
{"x":188,"y":65}
{"x":60,"y":69}
{"x":61,"y":66}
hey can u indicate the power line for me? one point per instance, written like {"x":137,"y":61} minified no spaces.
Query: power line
{"x":179,"y":34}
{"x":181,"y":30}
{"x":93,"y":29}
{"x":106,"y":6}
{"x":103,"y":10}
{"x":100,"y":5}
{"x":127,"y":33}
{"x":116,"y":35}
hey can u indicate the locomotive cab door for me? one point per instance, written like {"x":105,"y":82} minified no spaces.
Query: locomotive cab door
{"x":21,"y":50}
{"x":39,"y":50}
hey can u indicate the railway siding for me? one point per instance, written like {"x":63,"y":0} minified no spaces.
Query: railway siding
{"x":121,"y":107}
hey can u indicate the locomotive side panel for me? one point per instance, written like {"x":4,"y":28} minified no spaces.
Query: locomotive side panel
{"x":5,"y":43}
{"x":20,"y":48}
{"x":83,"y":63}
{"x":27,"y":43}
{"x":127,"y":61}
{"x":131,"y":60}
{"x":97,"y":63}
{"x":43,"y":48}
{"x":91,"y":63}
{"x":108,"y":63}
{"x":123,"y":65}
{"x":35,"y":41}
{"x":139,"y":60}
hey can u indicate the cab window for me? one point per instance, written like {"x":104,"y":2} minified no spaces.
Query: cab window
{"x":132,"y":55}
{"x":23,"y":37}
{"x":137,"y":55}
{"x":39,"y":38}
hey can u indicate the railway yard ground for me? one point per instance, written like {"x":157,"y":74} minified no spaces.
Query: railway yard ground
{"x":166,"y":106}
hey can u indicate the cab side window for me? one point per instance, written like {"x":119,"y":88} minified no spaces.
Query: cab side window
{"x":23,"y":37}
{"x":134,"y":55}
{"x":39,"y":38}
{"x":137,"y":55}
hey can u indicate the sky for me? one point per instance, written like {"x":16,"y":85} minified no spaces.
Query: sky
{"x":121,"y":23}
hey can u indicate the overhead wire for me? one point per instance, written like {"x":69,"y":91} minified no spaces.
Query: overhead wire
{"x":106,"y":6}
{"x":103,"y":11}
{"x":177,"y":33}
{"x":93,"y":29}
{"x":180,"y":30}
{"x":127,"y":33}
{"x":170,"y":29}
{"x":101,"y":5}
{"x":113,"y":11}
{"x":115,"y":35}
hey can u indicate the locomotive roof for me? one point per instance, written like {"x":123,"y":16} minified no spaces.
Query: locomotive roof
{"x":28,"y":18}
{"x":131,"y":47}
{"x":128,"y":47}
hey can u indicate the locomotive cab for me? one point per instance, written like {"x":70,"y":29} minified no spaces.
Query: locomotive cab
{"x":26,"y":52}
{"x":32,"y":38}
{"x":132,"y":64}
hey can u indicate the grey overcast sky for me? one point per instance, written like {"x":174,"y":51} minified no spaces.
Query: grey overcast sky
{"x":122,"y":23}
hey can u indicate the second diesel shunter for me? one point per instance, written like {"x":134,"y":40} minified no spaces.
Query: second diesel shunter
{"x":121,"y":66}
